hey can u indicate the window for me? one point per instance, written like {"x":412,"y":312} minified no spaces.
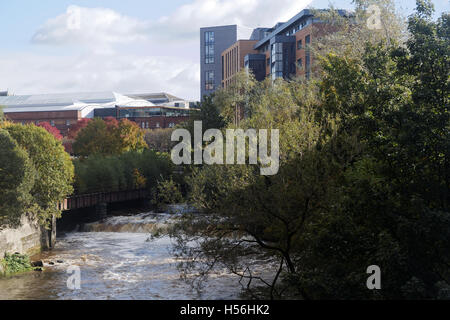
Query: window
{"x":209,"y":47}
{"x":299,"y":44}
{"x":37,"y":122}
{"x":157,"y":124}
{"x":308,"y":67}
{"x":209,"y":54}
{"x":209,"y":37}
{"x":146,"y":125}
{"x":143,"y":125}
{"x":300,"y":63}
{"x":171,"y":125}
{"x":268,"y":61}
{"x":308,"y":39}
{"x":209,"y":80}
{"x":67,"y":122}
{"x":52,"y":123}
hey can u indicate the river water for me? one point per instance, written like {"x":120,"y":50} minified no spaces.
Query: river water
{"x":116,"y":261}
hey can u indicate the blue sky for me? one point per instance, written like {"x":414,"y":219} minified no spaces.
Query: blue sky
{"x":125,"y":46}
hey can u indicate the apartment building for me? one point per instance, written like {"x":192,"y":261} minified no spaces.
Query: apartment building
{"x":282,"y":51}
{"x":213,"y":41}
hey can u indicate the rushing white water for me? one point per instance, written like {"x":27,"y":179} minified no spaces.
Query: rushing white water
{"x":116,"y":262}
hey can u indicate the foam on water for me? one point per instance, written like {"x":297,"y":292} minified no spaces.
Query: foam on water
{"x":116,"y":265}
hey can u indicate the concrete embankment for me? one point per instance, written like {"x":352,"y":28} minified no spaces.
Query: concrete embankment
{"x":29,"y":238}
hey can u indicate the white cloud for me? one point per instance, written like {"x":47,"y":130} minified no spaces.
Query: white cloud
{"x":126,"y":54}
{"x":91,"y":26}
{"x":31,"y":74}
{"x":187,"y":19}
{"x":105,"y":27}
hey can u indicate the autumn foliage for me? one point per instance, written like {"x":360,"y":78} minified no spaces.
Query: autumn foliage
{"x":52,"y":130}
{"x":108,"y":137}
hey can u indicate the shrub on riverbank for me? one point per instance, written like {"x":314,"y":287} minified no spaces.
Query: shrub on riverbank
{"x":15,"y":263}
{"x":128,"y":171}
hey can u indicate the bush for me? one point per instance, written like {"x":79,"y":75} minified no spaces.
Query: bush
{"x":15,"y":263}
{"x":167,"y":192}
{"x":129,"y":171}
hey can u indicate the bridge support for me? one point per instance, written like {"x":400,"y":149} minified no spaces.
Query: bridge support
{"x":101,"y":210}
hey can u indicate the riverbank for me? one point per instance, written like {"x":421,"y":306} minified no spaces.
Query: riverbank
{"x":27,"y":239}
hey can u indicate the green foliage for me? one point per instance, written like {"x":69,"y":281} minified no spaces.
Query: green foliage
{"x":53,"y":168}
{"x":128,"y":171}
{"x":15,"y":263}
{"x":364,"y":177}
{"x":167,"y":192}
{"x":16,"y":180}
{"x":108,"y":137}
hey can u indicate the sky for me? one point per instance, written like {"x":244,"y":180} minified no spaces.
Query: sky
{"x":133,"y":46}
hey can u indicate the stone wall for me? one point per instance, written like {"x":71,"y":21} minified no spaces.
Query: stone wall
{"x":29,"y":238}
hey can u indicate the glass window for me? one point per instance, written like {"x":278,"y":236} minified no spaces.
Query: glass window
{"x":308,"y":39}
{"x":300,"y":63}
{"x":209,"y":80}
{"x":299,"y":44}
{"x":209,"y":47}
{"x":209,"y":37}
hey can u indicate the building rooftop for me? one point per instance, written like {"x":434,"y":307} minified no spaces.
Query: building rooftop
{"x":280,"y":28}
{"x":59,"y":99}
{"x":155,"y":97}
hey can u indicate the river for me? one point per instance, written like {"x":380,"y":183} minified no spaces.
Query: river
{"x":116,"y":261}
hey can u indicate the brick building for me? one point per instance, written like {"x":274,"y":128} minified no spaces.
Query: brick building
{"x":150,"y":111}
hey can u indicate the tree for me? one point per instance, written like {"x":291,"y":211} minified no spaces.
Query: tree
{"x":54,"y":168}
{"x":16,"y":180}
{"x":394,"y":199}
{"x":130,"y":137}
{"x":76,"y":127}
{"x":364,"y":178}
{"x":52,"y":130}
{"x":159,"y":139}
{"x":108,"y":137}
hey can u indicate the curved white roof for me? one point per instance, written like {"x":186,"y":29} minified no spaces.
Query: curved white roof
{"x":84,"y":102}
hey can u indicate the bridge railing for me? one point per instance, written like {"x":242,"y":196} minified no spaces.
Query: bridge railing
{"x":90,"y":200}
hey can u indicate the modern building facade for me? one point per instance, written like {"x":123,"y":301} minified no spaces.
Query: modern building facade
{"x":280,"y":52}
{"x":213,"y":41}
{"x":154,"y":117}
{"x":233,"y":59}
{"x":287,"y":47}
